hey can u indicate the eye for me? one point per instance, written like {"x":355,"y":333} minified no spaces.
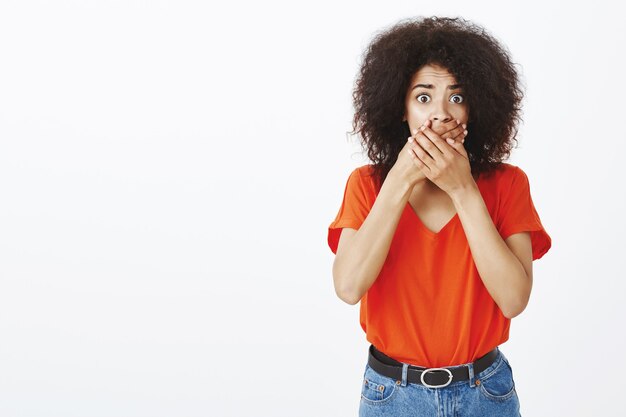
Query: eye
{"x":422,"y":101}
{"x":460,"y":96}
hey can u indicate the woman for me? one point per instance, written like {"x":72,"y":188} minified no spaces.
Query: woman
{"x":437,"y":236}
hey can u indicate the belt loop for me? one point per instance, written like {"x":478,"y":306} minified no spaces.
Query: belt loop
{"x":470,"y":368}
{"x":405,"y":368}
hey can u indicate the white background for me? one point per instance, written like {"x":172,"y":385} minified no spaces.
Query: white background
{"x":168,"y":171}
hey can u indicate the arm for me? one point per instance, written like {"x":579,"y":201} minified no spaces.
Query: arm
{"x":504,"y":267}
{"x":362,"y":253}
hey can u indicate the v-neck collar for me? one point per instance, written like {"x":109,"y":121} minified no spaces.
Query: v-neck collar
{"x":425,"y":229}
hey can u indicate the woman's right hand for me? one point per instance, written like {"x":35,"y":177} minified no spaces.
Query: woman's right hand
{"x":404,"y":166}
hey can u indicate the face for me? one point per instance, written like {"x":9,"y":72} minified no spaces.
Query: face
{"x":434,"y":95}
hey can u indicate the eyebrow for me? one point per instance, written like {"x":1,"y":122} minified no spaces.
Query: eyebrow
{"x":450,"y":87}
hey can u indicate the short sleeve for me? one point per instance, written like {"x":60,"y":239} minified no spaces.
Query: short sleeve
{"x":519,"y":215}
{"x":353,"y":211}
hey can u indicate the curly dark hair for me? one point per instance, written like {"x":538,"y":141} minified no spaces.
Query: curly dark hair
{"x":474,"y":57}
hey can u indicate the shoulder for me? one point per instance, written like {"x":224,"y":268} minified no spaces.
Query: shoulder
{"x":502,"y":181}
{"x":364,"y":174}
{"x":507,"y":169}
{"x":361,"y":180}
{"x":503,"y":175}
{"x":364,"y":171}
{"x":514,"y":176}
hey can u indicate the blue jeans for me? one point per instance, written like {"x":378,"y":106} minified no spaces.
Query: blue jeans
{"x":486,"y":394}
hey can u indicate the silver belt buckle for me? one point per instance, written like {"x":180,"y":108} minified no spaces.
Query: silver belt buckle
{"x":436,"y":369}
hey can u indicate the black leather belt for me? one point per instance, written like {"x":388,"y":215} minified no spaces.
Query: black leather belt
{"x":430,"y":377}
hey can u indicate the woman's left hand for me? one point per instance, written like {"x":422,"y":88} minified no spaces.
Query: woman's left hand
{"x":444,"y":162}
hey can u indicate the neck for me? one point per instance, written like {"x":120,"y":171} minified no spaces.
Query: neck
{"x":427,"y":186}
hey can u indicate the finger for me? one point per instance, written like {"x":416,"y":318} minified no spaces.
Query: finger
{"x":416,"y":131}
{"x":458,"y":147}
{"x":422,"y":154}
{"x":460,"y":138}
{"x":445,"y":127}
{"x":427,"y":146}
{"x":417,"y":161}
{"x":456,"y":133}
{"x":449,"y":127}
{"x":461,"y":133}
{"x":435,"y":141}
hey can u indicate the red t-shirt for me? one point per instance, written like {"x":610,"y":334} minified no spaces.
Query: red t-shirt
{"x":428,"y":306}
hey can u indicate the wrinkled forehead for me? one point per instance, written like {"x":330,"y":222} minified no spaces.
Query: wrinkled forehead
{"x":433,"y":73}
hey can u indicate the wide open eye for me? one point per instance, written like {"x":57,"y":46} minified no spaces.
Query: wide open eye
{"x":459,"y":96}
{"x":422,"y":101}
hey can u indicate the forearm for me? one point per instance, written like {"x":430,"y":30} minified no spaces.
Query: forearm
{"x":356,"y":268}
{"x":500,"y":270}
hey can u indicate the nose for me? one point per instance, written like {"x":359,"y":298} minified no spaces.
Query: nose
{"x":440,"y":115}
{"x":440,"y":118}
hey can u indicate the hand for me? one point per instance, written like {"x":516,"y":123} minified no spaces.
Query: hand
{"x":443,"y":161}
{"x":404,"y":165}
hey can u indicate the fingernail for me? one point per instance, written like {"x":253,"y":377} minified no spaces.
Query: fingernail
{"x":458,"y":122}
{"x":465,"y":132}
{"x":414,"y":131}
{"x":411,"y":139}
{"x":450,"y":141}
{"x":464,"y":126}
